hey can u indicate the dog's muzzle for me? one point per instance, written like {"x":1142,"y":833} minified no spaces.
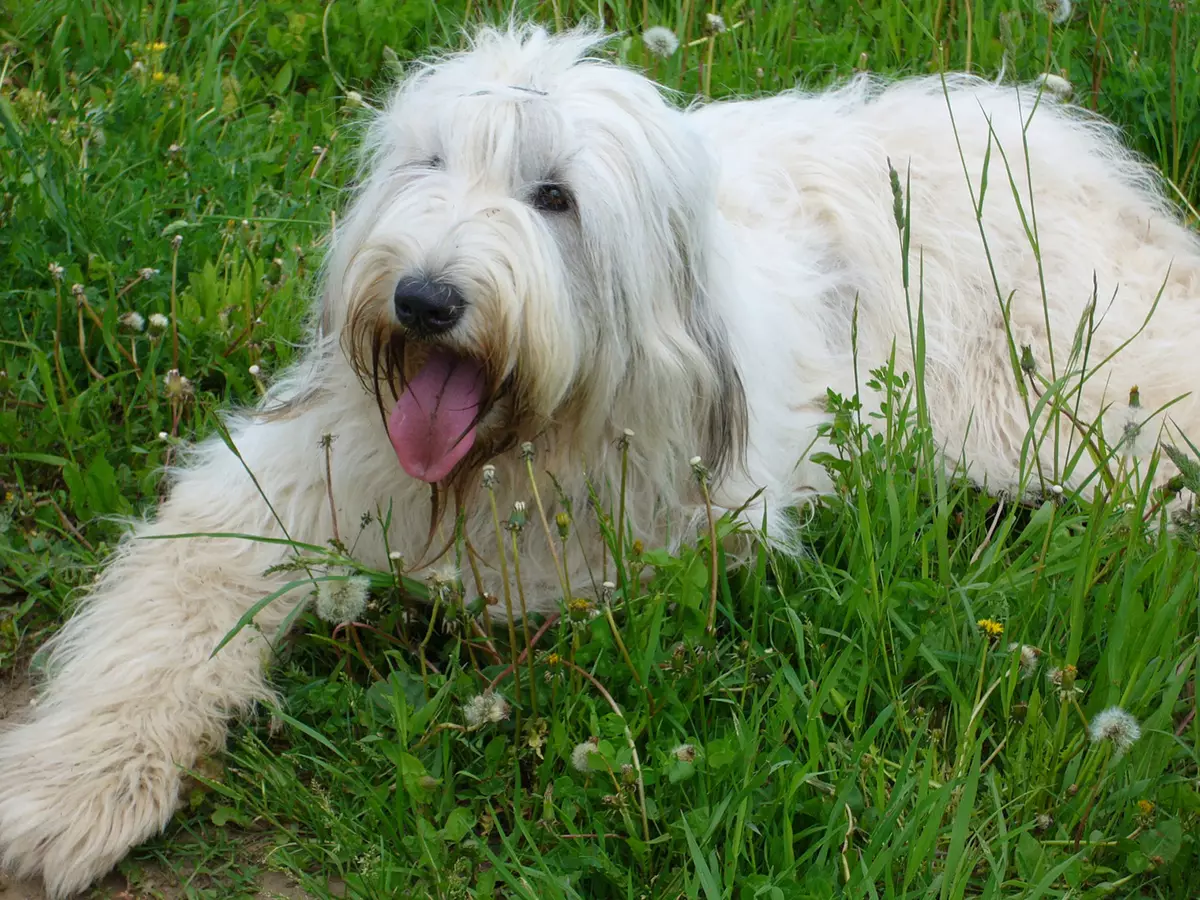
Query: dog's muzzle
{"x":432,"y":426}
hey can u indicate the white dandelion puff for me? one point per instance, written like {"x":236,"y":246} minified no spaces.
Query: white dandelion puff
{"x":484,"y":709}
{"x":714,"y":23}
{"x":133,"y":321}
{"x":444,"y":575}
{"x":1059,"y":10}
{"x":1116,"y":725}
{"x":580,"y":755}
{"x":1055,"y":85}
{"x":685,"y":753}
{"x":660,"y":41}
{"x":343,"y":600}
{"x":1029,"y":657}
{"x":158,"y":322}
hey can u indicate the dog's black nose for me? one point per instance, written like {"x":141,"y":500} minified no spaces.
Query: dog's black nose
{"x":428,"y":307}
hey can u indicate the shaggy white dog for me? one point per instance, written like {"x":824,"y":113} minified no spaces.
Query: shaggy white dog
{"x":542,"y":249}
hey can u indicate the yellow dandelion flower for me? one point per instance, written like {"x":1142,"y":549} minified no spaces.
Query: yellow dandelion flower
{"x":158,"y":77}
{"x":158,"y":46}
{"x":990,"y":627}
{"x":1145,"y":808}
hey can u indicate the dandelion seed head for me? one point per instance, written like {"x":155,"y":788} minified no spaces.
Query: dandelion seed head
{"x":1029,"y":657}
{"x":1116,"y":725}
{"x":1055,"y":84}
{"x":714,"y":24}
{"x":488,"y":708}
{"x":342,"y":601}
{"x":177,"y":386}
{"x":1064,"y":680}
{"x":444,"y":574}
{"x":255,"y":370}
{"x":685,"y":753}
{"x":158,"y":322}
{"x":1059,"y":10}
{"x":56,"y":271}
{"x":660,"y":41}
{"x":134,"y":321}
{"x":579,"y":756}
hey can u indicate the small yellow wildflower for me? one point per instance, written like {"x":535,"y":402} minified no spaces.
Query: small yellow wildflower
{"x":158,"y":77}
{"x":990,"y":627}
{"x":581,"y":609}
{"x":553,"y":659}
{"x":158,"y":46}
{"x":1145,"y":808}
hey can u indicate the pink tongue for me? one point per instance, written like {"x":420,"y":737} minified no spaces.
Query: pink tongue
{"x":433,"y":424}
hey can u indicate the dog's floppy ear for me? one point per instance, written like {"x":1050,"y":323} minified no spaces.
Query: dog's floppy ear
{"x":323,"y":326}
{"x":721,"y":410}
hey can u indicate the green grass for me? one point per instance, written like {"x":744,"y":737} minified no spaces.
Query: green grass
{"x":855,"y":731}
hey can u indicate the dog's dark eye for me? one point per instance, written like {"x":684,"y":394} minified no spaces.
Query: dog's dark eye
{"x":551,"y":198}
{"x":435,"y":162}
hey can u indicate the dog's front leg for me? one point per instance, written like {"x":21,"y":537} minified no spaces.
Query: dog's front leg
{"x":135,"y":694}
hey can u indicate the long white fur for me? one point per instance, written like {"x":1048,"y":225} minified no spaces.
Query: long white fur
{"x":735,"y":234}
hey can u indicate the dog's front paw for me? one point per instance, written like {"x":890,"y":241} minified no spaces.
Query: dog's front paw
{"x":76,"y":794}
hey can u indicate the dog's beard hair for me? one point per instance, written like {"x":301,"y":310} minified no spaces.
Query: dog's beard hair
{"x":383,"y":357}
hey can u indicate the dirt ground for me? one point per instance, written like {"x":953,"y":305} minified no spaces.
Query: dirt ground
{"x":153,"y":880}
{"x":154,"y":883}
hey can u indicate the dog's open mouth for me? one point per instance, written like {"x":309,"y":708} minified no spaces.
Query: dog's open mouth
{"x":432,"y":426}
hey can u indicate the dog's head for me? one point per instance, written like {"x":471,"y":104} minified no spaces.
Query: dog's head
{"x":527,"y":252}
